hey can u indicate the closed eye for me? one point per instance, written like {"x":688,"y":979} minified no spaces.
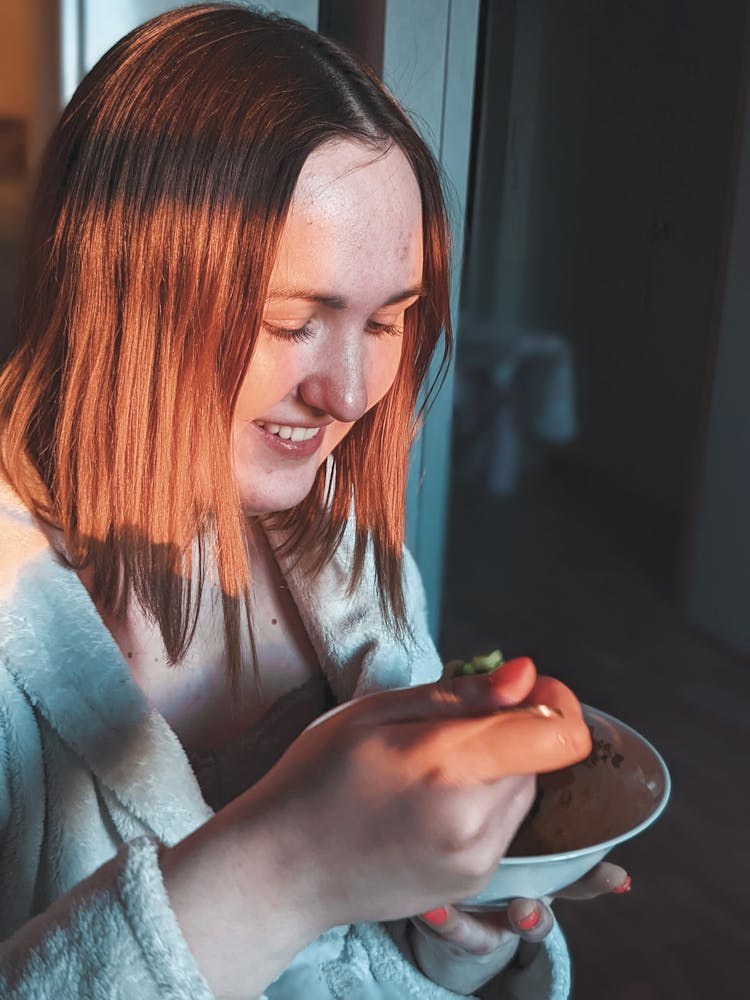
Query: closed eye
{"x":380,"y":329}
{"x":299,"y":335}
{"x":307,"y":332}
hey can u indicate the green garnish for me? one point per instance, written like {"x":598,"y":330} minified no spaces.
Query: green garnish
{"x":483,"y":664}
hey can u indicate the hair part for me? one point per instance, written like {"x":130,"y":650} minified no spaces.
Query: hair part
{"x":162,"y":197}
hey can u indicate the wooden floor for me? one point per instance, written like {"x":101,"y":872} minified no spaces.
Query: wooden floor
{"x":580,"y":580}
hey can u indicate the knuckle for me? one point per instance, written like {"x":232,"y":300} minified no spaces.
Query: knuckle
{"x":443,"y":697}
{"x":475,"y":863}
{"x":526,"y":796}
{"x":455,"y":830}
{"x":523,"y":790}
{"x":481,"y":869}
{"x":580,"y":740}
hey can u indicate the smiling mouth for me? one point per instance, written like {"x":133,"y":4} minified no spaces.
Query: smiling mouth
{"x":288,"y":433}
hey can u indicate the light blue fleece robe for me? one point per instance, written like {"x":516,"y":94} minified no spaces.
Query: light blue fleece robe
{"x":93,"y":780}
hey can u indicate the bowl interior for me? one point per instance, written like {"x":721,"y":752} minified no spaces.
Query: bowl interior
{"x":580,"y":814}
{"x":611,"y":796}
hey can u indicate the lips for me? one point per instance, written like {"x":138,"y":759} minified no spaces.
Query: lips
{"x":289,"y":440}
{"x":289,"y":432}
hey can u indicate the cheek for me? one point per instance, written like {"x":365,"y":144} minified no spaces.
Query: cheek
{"x":268,"y":378}
{"x":384,"y":363}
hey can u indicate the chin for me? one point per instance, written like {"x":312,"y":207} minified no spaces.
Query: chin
{"x":257,"y":502}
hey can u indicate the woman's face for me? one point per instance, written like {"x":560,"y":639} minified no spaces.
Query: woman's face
{"x":349,"y":265}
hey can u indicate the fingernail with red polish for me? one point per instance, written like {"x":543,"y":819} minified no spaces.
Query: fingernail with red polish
{"x":437,"y":917}
{"x":625,"y":887}
{"x":528,"y":923}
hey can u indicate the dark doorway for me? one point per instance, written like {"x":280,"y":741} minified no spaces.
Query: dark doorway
{"x":603,"y":159}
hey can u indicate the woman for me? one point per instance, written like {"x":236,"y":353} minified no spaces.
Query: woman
{"x":236,"y":279}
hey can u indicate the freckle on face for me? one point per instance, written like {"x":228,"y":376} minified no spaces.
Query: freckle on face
{"x":353,"y":232}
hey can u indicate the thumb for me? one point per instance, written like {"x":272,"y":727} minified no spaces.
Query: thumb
{"x":481,"y":694}
{"x":509,"y":684}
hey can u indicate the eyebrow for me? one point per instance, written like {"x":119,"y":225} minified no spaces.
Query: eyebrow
{"x":336,"y":301}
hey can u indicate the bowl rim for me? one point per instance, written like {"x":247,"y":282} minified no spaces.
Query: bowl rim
{"x":605,"y":845}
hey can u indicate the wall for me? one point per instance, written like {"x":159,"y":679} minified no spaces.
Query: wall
{"x":429,"y":64}
{"x":104,"y":23}
{"x":616,"y":158}
{"x":17,"y":100}
{"x":28,"y":91}
{"x":718,"y":589}
{"x":663,"y":85}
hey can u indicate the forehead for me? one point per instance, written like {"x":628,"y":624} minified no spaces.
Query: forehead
{"x":354,"y":210}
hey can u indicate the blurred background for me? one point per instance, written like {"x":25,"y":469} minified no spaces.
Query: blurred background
{"x":581,"y":488}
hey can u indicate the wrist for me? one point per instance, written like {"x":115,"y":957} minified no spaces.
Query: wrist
{"x":244,"y":900}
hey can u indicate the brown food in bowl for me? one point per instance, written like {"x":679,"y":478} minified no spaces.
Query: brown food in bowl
{"x":585,"y":804}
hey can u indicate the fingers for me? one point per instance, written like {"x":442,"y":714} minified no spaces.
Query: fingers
{"x":484,"y":749}
{"x":515,"y":683}
{"x":509,"y":685}
{"x":550,"y":691}
{"x":484,"y":733}
{"x":466,"y":932}
{"x":530,"y":919}
{"x":602,"y":879}
{"x":483,"y":933}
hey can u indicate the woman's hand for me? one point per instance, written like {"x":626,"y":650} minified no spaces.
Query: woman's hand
{"x":386,"y":807}
{"x":462,"y":950}
{"x":404,"y":799}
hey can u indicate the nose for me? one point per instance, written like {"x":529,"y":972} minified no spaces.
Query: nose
{"x":337,"y":385}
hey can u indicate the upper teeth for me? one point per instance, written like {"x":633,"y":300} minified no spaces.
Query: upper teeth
{"x":290,"y":433}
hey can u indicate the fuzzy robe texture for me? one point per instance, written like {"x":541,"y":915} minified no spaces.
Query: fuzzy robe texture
{"x":93,"y":781}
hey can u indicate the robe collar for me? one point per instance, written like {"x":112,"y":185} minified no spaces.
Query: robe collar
{"x":54,"y":643}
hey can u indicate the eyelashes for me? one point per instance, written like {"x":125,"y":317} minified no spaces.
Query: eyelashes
{"x":308,"y":331}
{"x":383,"y":329}
{"x":303,"y":333}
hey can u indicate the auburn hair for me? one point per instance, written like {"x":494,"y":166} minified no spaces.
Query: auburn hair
{"x":161,"y":200}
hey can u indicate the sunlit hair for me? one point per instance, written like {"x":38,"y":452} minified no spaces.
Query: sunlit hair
{"x":161,"y":201}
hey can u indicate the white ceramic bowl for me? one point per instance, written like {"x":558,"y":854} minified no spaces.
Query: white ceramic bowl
{"x":581,"y":813}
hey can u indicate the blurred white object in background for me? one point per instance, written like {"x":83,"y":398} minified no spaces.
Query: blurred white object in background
{"x":513,"y":386}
